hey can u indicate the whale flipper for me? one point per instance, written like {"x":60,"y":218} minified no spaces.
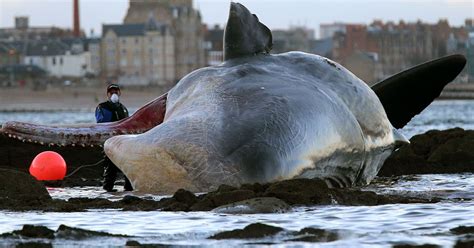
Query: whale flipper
{"x":407,"y":93}
{"x":244,"y":34}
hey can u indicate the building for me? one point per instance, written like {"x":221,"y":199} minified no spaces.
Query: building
{"x":57,"y":58}
{"x":9,"y":54}
{"x":293,"y":39}
{"x":328,"y":30}
{"x":93,"y":47}
{"x":469,"y":27}
{"x":399,"y":45}
{"x":184,"y":20}
{"x":139,"y":54}
{"x":214,"y":45}
{"x":322,"y":47}
{"x":86,"y":45}
{"x":22,"y":31}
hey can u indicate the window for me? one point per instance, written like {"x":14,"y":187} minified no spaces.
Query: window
{"x":137,"y":62}
{"x":124,"y":41}
{"x":123,"y":62}
{"x":54,"y":60}
{"x":31,"y":61}
{"x":61,"y":60}
{"x":136,"y":40}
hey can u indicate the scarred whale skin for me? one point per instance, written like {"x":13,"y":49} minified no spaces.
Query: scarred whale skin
{"x":260,"y":119}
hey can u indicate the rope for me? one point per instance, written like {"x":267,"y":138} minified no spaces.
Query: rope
{"x":84,"y":166}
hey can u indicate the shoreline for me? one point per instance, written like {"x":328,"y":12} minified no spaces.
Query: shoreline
{"x":70,"y":99}
{"x":85,"y":99}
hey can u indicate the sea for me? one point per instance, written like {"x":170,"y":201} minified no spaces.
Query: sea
{"x":357,"y":226}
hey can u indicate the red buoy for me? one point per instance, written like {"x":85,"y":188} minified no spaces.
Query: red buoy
{"x":48,"y":166}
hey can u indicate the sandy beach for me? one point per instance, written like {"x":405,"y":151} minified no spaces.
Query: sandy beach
{"x":67,"y":99}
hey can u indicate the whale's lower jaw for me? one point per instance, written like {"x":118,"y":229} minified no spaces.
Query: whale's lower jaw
{"x":149,"y":169}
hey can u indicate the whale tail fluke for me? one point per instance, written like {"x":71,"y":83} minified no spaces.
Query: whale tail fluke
{"x":407,"y":93}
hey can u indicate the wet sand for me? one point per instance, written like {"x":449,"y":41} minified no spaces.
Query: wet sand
{"x":70,"y":99}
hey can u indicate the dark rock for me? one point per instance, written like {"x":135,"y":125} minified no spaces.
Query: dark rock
{"x":300,"y":191}
{"x":356,"y":197}
{"x":252,"y":231}
{"x":34,"y":245}
{"x":258,"y":188}
{"x":130,"y":199}
{"x":185,"y":197}
{"x":20,"y":191}
{"x":292,"y":192}
{"x":315,"y":235}
{"x":226,"y":197}
{"x":133,"y":203}
{"x":257,"y":205}
{"x":225,"y":188}
{"x":416,"y":246}
{"x":132,"y":243}
{"x":447,"y":151}
{"x":31,"y":231}
{"x":67,"y":232}
{"x":463,"y":230}
{"x":464,"y":243}
{"x":204,"y":204}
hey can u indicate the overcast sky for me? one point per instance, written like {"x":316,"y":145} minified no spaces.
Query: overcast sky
{"x":273,"y":13}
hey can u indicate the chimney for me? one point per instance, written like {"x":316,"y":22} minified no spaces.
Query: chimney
{"x":77,"y":28}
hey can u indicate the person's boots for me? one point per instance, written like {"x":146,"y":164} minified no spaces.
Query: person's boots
{"x":110,"y":174}
{"x":127,"y":186}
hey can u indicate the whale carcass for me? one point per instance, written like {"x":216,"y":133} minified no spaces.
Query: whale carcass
{"x":260,"y":117}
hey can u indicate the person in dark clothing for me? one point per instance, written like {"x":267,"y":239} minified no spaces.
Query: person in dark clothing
{"x":109,"y":111}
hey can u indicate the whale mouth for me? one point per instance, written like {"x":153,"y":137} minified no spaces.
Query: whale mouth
{"x":85,"y":135}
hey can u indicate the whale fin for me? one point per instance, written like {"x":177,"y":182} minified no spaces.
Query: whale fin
{"x":244,"y":34}
{"x":407,"y":93}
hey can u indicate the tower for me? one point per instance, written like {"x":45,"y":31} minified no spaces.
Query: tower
{"x":76,"y":29}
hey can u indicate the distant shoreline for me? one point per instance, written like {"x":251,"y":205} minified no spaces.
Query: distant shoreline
{"x":76,"y":99}
{"x":69,"y":99}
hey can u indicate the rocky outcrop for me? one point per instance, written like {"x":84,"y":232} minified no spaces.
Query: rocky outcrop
{"x":21,"y":191}
{"x":63,"y":232}
{"x":296,"y":192}
{"x":256,"y":205}
{"x":17,"y":155}
{"x":447,"y":151}
{"x":260,"y":230}
{"x":252,"y":231}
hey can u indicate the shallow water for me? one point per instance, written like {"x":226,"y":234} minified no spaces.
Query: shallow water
{"x":367,"y":226}
{"x":376,"y":226}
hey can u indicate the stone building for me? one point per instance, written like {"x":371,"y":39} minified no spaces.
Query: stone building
{"x":57,"y":58}
{"x":9,"y":54}
{"x":214,"y":45}
{"x":186,"y":24}
{"x":139,"y":54}
{"x":293,"y":39}
{"x":399,"y":46}
{"x":23,"y":31}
